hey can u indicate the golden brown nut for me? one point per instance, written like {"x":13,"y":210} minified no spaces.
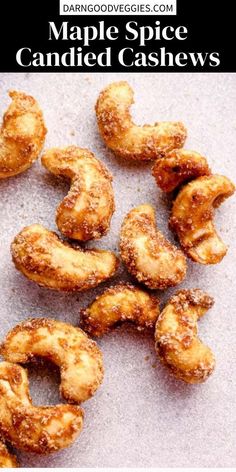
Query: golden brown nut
{"x":192,"y":217}
{"x":128,"y":140}
{"x":178,"y":166}
{"x":78,"y":357}
{"x":39,"y":429}
{"x":7,"y":460}
{"x":42,"y":257}
{"x":85,"y":213}
{"x":118,"y":304}
{"x":176,"y":338}
{"x":22,"y":135}
{"x":147,"y":254}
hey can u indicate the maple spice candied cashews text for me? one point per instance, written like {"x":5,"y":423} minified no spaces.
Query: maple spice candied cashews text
{"x":192,"y":217}
{"x":118,"y":304}
{"x":128,"y":140}
{"x":7,"y":460}
{"x":148,"y":256}
{"x":22,"y":134}
{"x":38,"y":429}
{"x":43,"y":258}
{"x":85,"y":213}
{"x":177,"y":343}
{"x":78,"y":357}
{"x":178,"y":166}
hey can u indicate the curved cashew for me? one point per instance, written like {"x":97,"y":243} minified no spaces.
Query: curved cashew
{"x":78,"y":357}
{"x":147,"y":254}
{"x":7,"y":460}
{"x":22,"y":135}
{"x":176,"y":338}
{"x":39,"y":429}
{"x":192,"y":217}
{"x":126,"y":139}
{"x":118,"y":304}
{"x":42,"y":257}
{"x":178,"y":166}
{"x":85,"y":213}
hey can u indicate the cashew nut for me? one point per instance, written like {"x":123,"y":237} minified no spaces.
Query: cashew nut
{"x":118,"y":304}
{"x":42,"y":257}
{"x":178,"y":166}
{"x":176,"y":338}
{"x":22,"y":135}
{"x":192,"y":217}
{"x":39,"y":429}
{"x":128,"y":140}
{"x":148,"y":256}
{"x":85,"y":213}
{"x":7,"y":460}
{"x":78,"y":357}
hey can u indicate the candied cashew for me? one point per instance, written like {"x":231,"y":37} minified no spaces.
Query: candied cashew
{"x":43,"y":258}
{"x":39,"y":429}
{"x":177,"y":343}
{"x":118,"y":304}
{"x":7,"y":460}
{"x":192,"y":217}
{"x":22,"y":134}
{"x":85,"y":213}
{"x":148,"y":256}
{"x":128,"y":140}
{"x":177,"y":167}
{"x":77,"y":356}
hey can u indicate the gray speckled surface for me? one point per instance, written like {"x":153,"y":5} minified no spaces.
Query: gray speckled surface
{"x":140,"y":417}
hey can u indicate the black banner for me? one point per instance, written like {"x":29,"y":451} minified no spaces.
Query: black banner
{"x":204,"y":43}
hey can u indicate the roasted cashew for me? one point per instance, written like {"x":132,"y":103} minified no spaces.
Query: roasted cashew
{"x":148,"y":256}
{"x":192,"y":217}
{"x":118,"y":304}
{"x":39,"y":429}
{"x":42,"y":257}
{"x":22,"y":135}
{"x":7,"y":460}
{"x":178,"y":166}
{"x":85,"y":213}
{"x":78,"y":357}
{"x":128,"y":140}
{"x":176,"y":338}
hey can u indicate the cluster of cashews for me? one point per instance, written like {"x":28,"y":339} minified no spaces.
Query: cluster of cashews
{"x":192,"y":212}
{"x":46,"y":429}
{"x":85,"y":214}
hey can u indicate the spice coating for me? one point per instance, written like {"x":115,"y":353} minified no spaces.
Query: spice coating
{"x":177,"y":343}
{"x":128,"y":140}
{"x":192,"y":217}
{"x":85,"y":213}
{"x":118,"y":304}
{"x":22,"y":134}
{"x":77,"y":356}
{"x":148,"y":256}
{"x":42,"y":257}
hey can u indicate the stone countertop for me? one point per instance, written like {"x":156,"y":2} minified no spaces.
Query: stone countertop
{"x":141,"y":416}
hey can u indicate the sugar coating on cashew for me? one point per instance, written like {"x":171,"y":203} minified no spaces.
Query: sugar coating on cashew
{"x":43,"y":258}
{"x":177,"y":343}
{"x":123,"y":302}
{"x":179,"y":166}
{"x":147,"y":254}
{"x":85,"y":213}
{"x":7,"y":460}
{"x":22,"y":134}
{"x":128,"y":140}
{"x":192,"y":217}
{"x":39,"y":429}
{"x":77,"y":356}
